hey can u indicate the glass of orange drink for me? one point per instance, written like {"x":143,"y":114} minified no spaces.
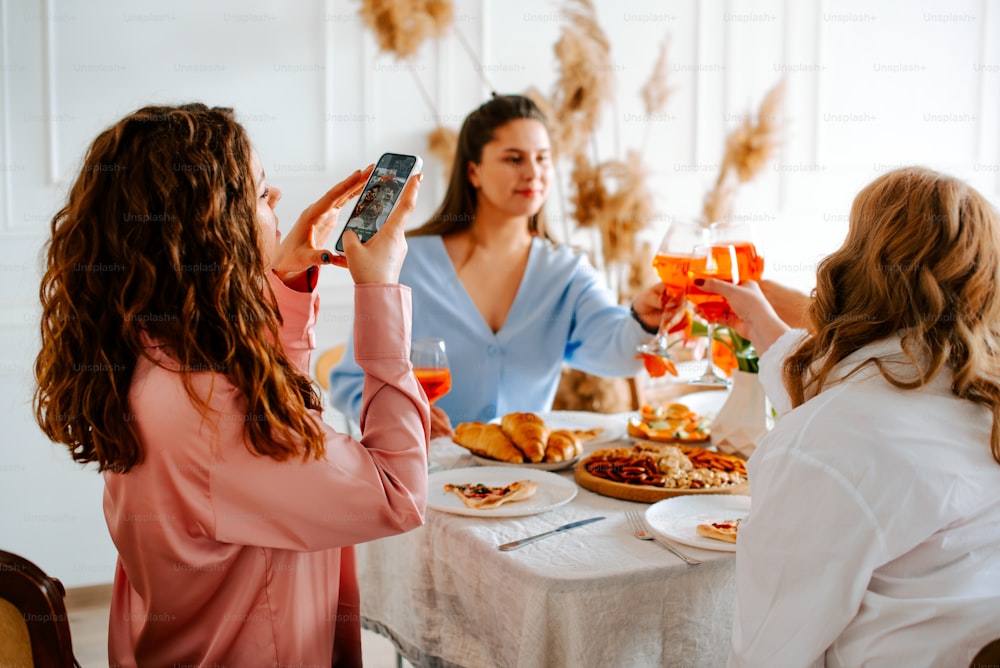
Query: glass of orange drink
{"x":430,"y":366}
{"x":720,"y":261}
{"x":672,"y":261}
{"x":740,"y":235}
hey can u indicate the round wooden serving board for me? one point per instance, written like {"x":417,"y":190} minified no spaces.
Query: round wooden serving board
{"x":644,"y":493}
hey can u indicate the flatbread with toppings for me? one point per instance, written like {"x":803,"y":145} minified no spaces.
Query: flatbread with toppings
{"x":724,"y":530}
{"x":484,"y":497}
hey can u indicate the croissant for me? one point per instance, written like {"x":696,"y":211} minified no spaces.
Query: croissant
{"x":529,"y":432}
{"x":487,"y":440}
{"x":562,"y":445}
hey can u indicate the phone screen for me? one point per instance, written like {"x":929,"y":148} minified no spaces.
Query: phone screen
{"x":380,"y":195}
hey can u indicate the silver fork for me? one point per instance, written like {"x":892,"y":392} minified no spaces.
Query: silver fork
{"x":638,"y":525}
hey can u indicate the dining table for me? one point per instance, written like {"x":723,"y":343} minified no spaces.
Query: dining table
{"x":445,"y":595}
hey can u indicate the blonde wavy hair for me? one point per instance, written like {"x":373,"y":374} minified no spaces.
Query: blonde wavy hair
{"x":159,"y":238}
{"x":922,"y":261}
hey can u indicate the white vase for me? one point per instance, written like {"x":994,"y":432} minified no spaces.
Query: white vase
{"x":744,"y":418}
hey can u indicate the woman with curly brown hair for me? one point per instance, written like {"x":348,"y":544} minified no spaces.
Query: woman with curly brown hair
{"x":874,"y":536}
{"x":176,"y":333}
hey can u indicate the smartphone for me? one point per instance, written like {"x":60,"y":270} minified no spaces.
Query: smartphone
{"x":380,"y":195}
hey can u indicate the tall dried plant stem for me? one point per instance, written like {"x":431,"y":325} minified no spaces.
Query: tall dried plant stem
{"x":656,"y":92}
{"x":618,"y":129}
{"x":475,"y":59}
{"x":749,"y":146}
{"x":424,"y":94}
{"x":585,"y":78}
{"x":600,"y":252}
{"x":563,"y":216}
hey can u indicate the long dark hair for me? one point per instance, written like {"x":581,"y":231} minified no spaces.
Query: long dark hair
{"x":159,"y":239}
{"x":921,"y":259}
{"x":459,"y":206}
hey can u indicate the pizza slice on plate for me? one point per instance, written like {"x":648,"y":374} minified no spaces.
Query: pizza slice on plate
{"x":483,"y":497}
{"x":724,"y":530}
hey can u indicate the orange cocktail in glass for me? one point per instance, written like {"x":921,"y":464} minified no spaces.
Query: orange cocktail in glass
{"x":721,"y":262}
{"x":718,"y":261}
{"x":672,"y":268}
{"x":740,"y":235}
{"x":751,"y":264}
{"x":430,"y":366}
{"x":671,"y":262}
{"x":435,"y":381}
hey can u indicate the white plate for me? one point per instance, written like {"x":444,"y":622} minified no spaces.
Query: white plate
{"x":538,"y":466}
{"x":613,"y":425}
{"x":553,"y":490}
{"x":676,"y":518}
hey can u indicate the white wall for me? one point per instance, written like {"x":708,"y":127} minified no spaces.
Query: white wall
{"x":870,"y":85}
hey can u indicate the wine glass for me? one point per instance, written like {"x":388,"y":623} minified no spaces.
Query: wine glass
{"x":721,"y":262}
{"x":673,"y":257}
{"x":741,"y":235}
{"x":430,"y":366}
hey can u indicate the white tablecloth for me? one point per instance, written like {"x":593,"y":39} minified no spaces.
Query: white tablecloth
{"x":593,"y":596}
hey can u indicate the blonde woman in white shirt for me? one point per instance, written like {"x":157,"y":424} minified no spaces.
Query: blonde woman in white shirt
{"x":874,"y":535}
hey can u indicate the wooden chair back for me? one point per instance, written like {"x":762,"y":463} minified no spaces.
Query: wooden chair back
{"x":40,"y":617}
{"x":988,"y":655}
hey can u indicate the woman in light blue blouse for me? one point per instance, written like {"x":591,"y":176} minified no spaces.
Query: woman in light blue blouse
{"x":511,"y":305}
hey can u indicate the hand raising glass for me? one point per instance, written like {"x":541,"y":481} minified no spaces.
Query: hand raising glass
{"x":721,"y":262}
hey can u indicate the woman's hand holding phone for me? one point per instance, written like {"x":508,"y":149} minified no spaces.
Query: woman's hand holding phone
{"x":303,"y":246}
{"x":381,"y":257}
{"x":378,"y":261}
{"x":380,"y":195}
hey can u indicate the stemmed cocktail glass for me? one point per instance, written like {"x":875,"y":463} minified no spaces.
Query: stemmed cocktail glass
{"x":672,"y":262}
{"x":721,"y":262}
{"x":430,"y":366}
{"x":740,"y":235}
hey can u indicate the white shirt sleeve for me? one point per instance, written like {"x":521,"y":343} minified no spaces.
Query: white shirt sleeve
{"x":796,"y":588}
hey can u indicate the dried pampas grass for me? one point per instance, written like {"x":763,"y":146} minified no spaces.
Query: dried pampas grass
{"x":585,"y":79}
{"x":749,"y":147}
{"x":640,"y":272}
{"x":401,"y":26}
{"x":543,"y":103}
{"x":589,"y":194}
{"x":611,"y":196}
{"x":442,"y":143}
{"x":615,"y":198}
{"x":718,"y":203}
{"x":656,"y":92}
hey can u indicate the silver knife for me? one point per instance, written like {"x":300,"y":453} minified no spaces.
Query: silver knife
{"x":507,"y":547}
